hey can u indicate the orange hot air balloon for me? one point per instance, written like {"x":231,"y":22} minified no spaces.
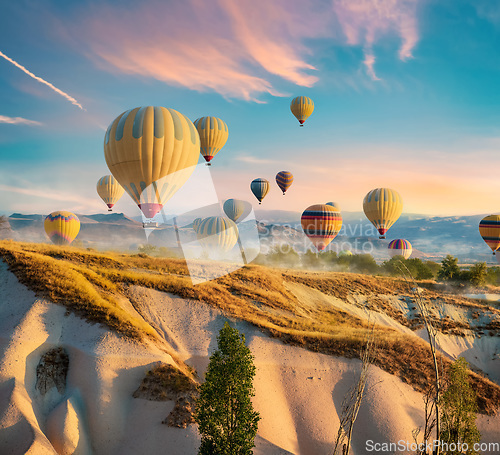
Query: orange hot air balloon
{"x":321,"y":223}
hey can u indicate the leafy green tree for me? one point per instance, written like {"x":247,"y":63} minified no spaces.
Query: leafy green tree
{"x":458,"y":410}
{"x":476,"y":275}
{"x":363,"y":263}
{"x":449,"y":269}
{"x":224,"y":412}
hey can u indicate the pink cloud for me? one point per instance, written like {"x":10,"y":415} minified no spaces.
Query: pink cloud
{"x":364,"y":21}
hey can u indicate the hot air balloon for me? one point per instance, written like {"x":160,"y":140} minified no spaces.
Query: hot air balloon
{"x":213,"y":135}
{"x":321,"y":223}
{"x":284,"y":179}
{"x":196,"y":223}
{"x":383,"y":206}
{"x":62,"y":227}
{"x":400,"y":247}
{"x":489,"y":228}
{"x":302,"y":107}
{"x":217,"y":234}
{"x":109,"y":190}
{"x":259,"y":187}
{"x":334,"y":205}
{"x":236,"y":209}
{"x":151,"y":151}
{"x":345,"y":253}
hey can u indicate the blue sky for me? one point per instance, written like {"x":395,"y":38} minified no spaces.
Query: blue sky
{"x":407,"y":95}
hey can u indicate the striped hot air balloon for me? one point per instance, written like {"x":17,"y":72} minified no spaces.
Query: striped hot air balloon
{"x":62,"y":227}
{"x":213,"y":135}
{"x":302,"y":107}
{"x":334,"y":205}
{"x":259,"y":187}
{"x":489,"y":228}
{"x":383,"y":207}
{"x":151,"y":151}
{"x":321,"y":223}
{"x":284,"y":179}
{"x":400,"y":247}
{"x":217,"y":234}
{"x":236,"y":209}
{"x":196,"y":223}
{"x":109,"y":190}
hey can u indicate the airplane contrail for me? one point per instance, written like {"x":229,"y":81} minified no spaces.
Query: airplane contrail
{"x":39,"y":79}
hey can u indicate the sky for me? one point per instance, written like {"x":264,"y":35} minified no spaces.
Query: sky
{"x":406,"y":92}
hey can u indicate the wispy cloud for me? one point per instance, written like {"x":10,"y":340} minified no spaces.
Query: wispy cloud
{"x":240,"y":49}
{"x":364,"y":21}
{"x":43,"y":81}
{"x":17,"y":121}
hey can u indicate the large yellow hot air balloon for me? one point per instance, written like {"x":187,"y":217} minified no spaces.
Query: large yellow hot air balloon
{"x":489,"y":228}
{"x":213,"y":135}
{"x":321,"y":223}
{"x":383,"y":206}
{"x":152,"y":152}
{"x":62,"y":227}
{"x":302,"y":107}
{"x":109,"y":190}
{"x":217,"y":235}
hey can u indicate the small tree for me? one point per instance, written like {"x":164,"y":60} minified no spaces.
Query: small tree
{"x":477,"y":274}
{"x":224,"y":412}
{"x":458,"y":410}
{"x":449,"y":268}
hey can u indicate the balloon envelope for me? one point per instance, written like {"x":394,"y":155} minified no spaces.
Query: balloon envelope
{"x":383,"y":207}
{"x":321,"y":223}
{"x":302,"y":107}
{"x":217,"y":234}
{"x":152,"y":152}
{"x":489,"y":228}
{"x":284,"y":179}
{"x":334,"y":205}
{"x":213,"y":135}
{"x":400,"y":247}
{"x":259,"y":187}
{"x":236,"y":209}
{"x":62,"y":227}
{"x":109,"y":190}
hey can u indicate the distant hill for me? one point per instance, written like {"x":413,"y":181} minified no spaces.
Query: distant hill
{"x":431,"y":237}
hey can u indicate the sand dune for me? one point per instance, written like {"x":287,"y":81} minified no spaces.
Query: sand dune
{"x":298,"y":392}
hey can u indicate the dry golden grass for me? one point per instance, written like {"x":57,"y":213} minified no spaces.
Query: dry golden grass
{"x":86,"y":282}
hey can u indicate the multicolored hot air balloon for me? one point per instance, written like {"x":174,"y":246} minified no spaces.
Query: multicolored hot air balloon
{"x":151,"y":151}
{"x":284,"y":179}
{"x":109,"y":190}
{"x":62,"y":227}
{"x":383,"y":206}
{"x":217,"y":234}
{"x":321,"y":223}
{"x":213,"y":135}
{"x":334,"y":205}
{"x":236,"y":209}
{"x":302,"y":107}
{"x":489,"y":228}
{"x":196,"y":223}
{"x":259,"y":187}
{"x":400,"y":247}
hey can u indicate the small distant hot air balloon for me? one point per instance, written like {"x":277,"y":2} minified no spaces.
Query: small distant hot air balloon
{"x":345,"y":253}
{"x":196,"y":223}
{"x":213,"y":135}
{"x":321,"y":223}
{"x":400,"y":247}
{"x":284,"y":179}
{"x":334,"y":205}
{"x":151,"y":151}
{"x":383,"y":206}
{"x":259,"y":187}
{"x":489,"y":228}
{"x":62,"y":227}
{"x":217,"y":234}
{"x":302,"y":107}
{"x":236,"y":209}
{"x":109,"y":190}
